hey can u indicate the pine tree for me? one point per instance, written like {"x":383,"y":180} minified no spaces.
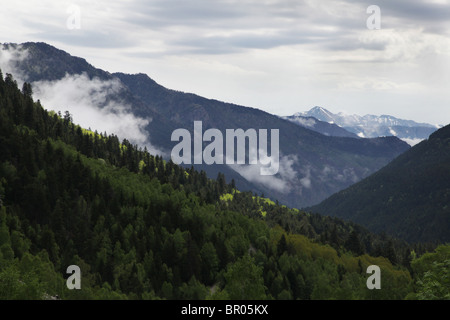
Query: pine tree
{"x":27,"y":91}
{"x":354,"y":243}
{"x":282,"y":245}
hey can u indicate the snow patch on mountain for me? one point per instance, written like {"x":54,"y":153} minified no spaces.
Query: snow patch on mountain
{"x":372,"y":126}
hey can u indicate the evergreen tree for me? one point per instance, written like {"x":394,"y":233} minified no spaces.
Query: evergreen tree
{"x":354,"y":243}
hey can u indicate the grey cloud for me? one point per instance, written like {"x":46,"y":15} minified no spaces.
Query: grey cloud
{"x":164,"y":14}
{"x":353,"y":43}
{"x":411,"y":13}
{"x":416,"y":10}
{"x":84,"y":37}
{"x":220,"y":13}
{"x":228,"y":26}
{"x":199,"y":26}
{"x":231,"y":44}
{"x":88,"y":38}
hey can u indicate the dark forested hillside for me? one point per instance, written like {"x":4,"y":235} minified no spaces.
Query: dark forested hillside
{"x":325,"y":128}
{"x":50,"y":63}
{"x":409,"y":198}
{"x":143,"y":228}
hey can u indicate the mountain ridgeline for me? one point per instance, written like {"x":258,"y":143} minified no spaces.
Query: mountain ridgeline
{"x":312,"y":166}
{"x":370,"y":126}
{"x":409,"y":198}
{"x":318,"y":165}
{"x":140,"y":227}
{"x":325,"y":128}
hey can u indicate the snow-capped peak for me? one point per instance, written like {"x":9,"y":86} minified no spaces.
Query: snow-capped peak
{"x":371,"y":126}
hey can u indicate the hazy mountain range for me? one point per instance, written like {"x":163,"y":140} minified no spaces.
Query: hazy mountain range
{"x":313,"y":166}
{"x":321,"y":153}
{"x":323,"y":127}
{"x":367,"y":126}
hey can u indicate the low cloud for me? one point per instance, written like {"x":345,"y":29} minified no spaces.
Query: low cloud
{"x":347,"y":175}
{"x":305,"y":122}
{"x":93,"y":104}
{"x":10,"y":57}
{"x":306,"y":180}
{"x":281,"y":182}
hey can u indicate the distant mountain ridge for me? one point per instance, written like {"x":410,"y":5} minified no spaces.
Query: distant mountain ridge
{"x":323,"y":127}
{"x":370,"y":126}
{"x":312,"y":166}
{"x":310,"y":153}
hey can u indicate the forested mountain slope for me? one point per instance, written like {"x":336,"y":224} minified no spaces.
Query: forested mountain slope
{"x":142,"y":228}
{"x":312,"y":166}
{"x":409,"y":198}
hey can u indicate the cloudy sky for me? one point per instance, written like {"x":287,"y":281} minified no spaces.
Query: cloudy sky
{"x":282,"y":56}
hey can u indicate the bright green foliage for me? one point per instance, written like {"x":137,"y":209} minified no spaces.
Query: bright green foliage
{"x":432,"y":274}
{"x":244,"y":280}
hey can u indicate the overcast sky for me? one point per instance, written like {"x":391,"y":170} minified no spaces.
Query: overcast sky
{"x":281,"y":56}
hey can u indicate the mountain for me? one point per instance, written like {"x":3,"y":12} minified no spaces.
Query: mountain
{"x":409,"y":198}
{"x":325,"y":128}
{"x":312,"y":166}
{"x":43,"y":65}
{"x":370,"y":126}
{"x":139,"y":227}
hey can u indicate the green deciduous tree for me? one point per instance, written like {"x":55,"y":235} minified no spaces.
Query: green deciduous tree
{"x":244,"y":280}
